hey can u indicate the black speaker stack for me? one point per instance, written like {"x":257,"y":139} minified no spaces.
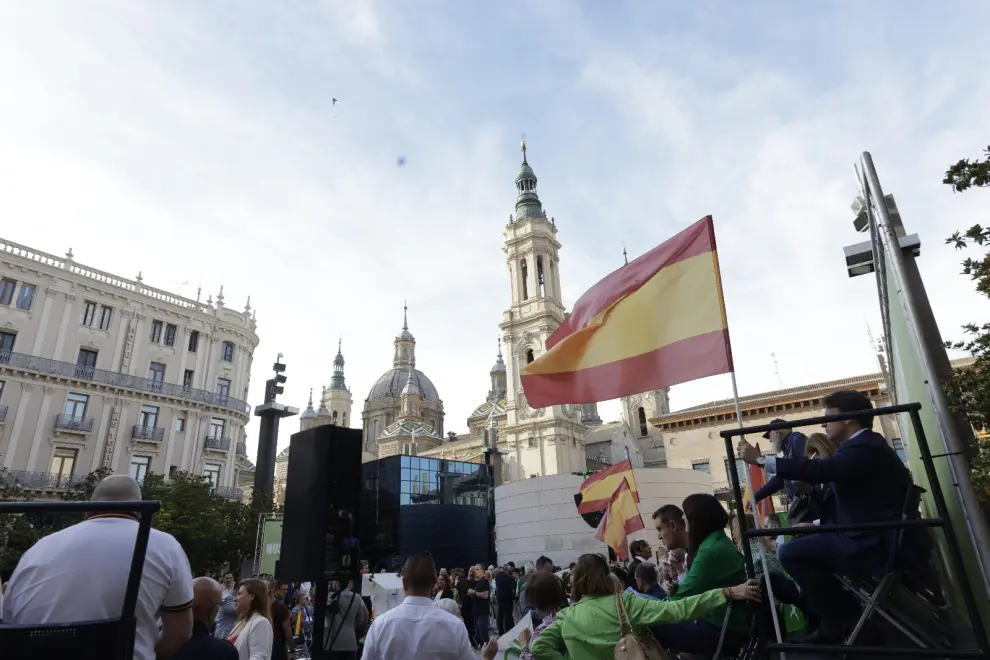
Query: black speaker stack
{"x":321,"y":514}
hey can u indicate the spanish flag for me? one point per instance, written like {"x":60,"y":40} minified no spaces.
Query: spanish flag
{"x":621,"y":519}
{"x":758,"y":479}
{"x":597,"y":490}
{"x":655,"y":322}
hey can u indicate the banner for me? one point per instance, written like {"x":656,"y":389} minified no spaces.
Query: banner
{"x":271,"y":546}
{"x":508,"y":644}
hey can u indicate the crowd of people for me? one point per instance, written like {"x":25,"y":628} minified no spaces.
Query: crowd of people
{"x":683,"y":595}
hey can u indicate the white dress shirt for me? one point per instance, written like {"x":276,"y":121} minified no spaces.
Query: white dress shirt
{"x":417,"y":630}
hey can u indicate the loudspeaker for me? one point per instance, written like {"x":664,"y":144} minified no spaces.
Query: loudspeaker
{"x":322,"y":498}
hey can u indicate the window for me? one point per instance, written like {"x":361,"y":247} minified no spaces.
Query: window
{"x":7,"y":342}
{"x":529,"y":356}
{"x":156,"y":373}
{"x":63,"y":463}
{"x":532,"y":443}
{"x":641,"y":417}
{"x":187,"y":378}
{"x":217,"y":426}
{"x":524,"y":271}
{"x":540,"y":286}
{"x":89,"y":313}
{"x":7,"y":290}
{"x":85,"y":363}
{"x":212,"y":472}
{"x":334,"y":417}
{"x":227,"y":351}
{"x":170,"y":330}
{"x":106,"y":315}
{"x":409,"y":449}
{"x":140,"y":466}
{"x":149,"y":417}
{"x":343,"y":418}
{"x":180,"y":424}
{"x":194,"y":341}
{"x":25,"y":296}
{"x":156,"y":332}
{"x":223,"y":389}
{"x":75,"y":405}
{"x":376,"y":426}
{"x":740,"y":471}
{"x":899,"y":448}
{"x":703,"y":466}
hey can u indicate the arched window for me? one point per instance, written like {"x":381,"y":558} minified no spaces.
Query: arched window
{"x":530,"y":357}
{"x":643,"y":429}
{"x":375,"y":430}
{"x":334,"y":417}
{"x":343,"y":419}
{"x":540,"y":285}
{"x":524,"y":271}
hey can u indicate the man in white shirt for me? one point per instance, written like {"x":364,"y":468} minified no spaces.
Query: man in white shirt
{"x":417,"y":629}
{"x":80,"y":574}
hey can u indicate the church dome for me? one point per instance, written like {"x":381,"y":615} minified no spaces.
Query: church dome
{"x":391,"y":383}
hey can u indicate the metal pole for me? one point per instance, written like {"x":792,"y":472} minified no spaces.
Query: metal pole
{"x":756,"y":518}
{"x":952,"y":446}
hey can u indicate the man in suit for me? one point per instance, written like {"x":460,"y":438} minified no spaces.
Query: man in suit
{"x":869,"y":484}
{"x":207,"y":594}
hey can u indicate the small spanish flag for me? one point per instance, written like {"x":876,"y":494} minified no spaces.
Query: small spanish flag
{"x":758,"y":479}
{"x":597,"y":490}
{"x":621,"y":519}
{"x":655,"y":322}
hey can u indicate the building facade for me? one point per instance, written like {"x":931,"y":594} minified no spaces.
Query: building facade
{"x":99,"y":371}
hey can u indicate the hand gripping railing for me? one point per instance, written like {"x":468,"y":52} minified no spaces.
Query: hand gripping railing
{"x":955,"y":554}
{"x":145,"y":509}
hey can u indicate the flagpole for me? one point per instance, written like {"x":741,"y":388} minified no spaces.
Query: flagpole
{"x":756,"y":519}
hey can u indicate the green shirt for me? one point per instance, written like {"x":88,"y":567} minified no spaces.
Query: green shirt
{"x":589,"y":629}
{"x":717,"y":564}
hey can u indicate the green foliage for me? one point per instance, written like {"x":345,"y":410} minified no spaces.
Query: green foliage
{"x":968,"y":391}
{"x":17,"y":532}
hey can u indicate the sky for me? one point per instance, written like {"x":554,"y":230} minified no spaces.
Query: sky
{"x":198,"y":142}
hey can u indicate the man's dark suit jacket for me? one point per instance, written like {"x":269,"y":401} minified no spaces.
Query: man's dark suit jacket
{"x":867,"y":483}
{"x":204,"y":646}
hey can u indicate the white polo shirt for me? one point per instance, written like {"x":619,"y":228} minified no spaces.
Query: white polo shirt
{"x":417,"y":630}
{"x":80,"y":574}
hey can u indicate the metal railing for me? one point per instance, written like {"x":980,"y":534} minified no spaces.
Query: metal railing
{"x":44,"y":480}
{"x":148,"y":433}
{"x":241,"y":448}
{"x":216,"y":444}
{"x":74,"y":424}
{"x":3,"y":413}
{"x":115,"y":379}
{"x":943,"y":521}
{"x":229,"y":493}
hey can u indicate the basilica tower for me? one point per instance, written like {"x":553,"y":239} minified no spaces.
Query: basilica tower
{"x":337,"y":398}
{"x":545,"y":440}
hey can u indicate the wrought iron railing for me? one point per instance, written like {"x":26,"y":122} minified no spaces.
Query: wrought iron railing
{"x":44,"y":480}
{"x":148,"y":433}
{"x":3,"y":413}
{"x":229,"y":493}
{"x":115,"y":379}
{"x":217,"y":444}
{"x":76,"y":424}
{"x":241,"y":448}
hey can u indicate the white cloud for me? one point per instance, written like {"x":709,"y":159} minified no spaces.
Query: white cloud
{"x":199,"y":145}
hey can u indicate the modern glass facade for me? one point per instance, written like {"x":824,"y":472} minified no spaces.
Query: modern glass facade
{"x":412,"y":503}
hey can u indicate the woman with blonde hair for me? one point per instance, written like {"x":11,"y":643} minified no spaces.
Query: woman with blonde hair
{"x":252,"y":635}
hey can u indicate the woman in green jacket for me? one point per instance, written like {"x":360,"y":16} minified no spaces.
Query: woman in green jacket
{"x":589,"y":629}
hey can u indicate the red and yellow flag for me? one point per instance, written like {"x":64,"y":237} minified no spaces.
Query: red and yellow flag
{"x":597,"y":490}
{"x":758,"y":478}
{"x":620,"y":520}
{"x":655,"y":322}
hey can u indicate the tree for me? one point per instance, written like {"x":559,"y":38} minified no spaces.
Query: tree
{"x":968,"y":391}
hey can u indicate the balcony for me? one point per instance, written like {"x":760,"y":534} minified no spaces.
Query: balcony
{"x":3,"y":413}
{"x":241,"y":447}
{"x":71,"y":424}
{"x":48,"y":367}
{"x":45,"y":480}
{"x":216,"y":444}
{"x":147,"y":433}
{"x":228,"y":493}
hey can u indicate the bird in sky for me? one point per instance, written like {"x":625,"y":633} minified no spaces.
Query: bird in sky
{"x":334,"y":102}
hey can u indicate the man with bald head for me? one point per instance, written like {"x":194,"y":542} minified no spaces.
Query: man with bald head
{"x":80,"y":574}
{"x":207,"y":594}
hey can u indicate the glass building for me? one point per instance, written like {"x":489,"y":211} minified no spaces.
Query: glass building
{"x":411,"y":503}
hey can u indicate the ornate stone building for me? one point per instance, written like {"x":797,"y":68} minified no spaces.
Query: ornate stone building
{"x":97,"y":370}
{"x":337,"y":398}
{"x":384,"y":405}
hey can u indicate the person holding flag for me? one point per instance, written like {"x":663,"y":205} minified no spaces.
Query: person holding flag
{"x":789,"y":444}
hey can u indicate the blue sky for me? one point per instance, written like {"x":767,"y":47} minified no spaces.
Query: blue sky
{"x":197,"y":142}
